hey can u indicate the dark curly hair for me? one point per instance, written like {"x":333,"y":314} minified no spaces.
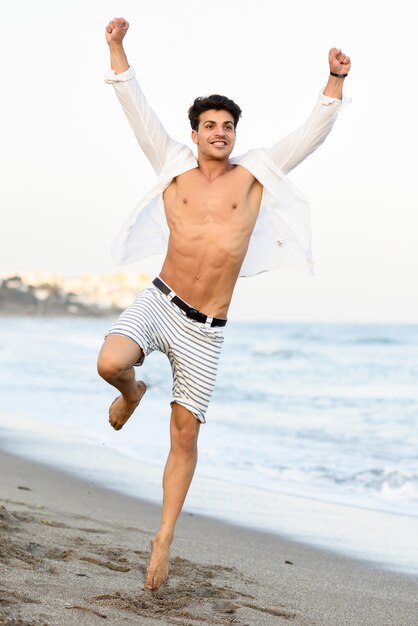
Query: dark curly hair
{"x":215,"y":101}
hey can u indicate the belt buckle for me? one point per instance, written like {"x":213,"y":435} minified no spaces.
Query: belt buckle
{"x":196,"y":315}
{"x":192,"y":313}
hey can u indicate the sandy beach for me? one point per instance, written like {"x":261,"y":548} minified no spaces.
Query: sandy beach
{"x":75,"y":553}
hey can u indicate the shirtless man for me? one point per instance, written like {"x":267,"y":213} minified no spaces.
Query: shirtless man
{"x":211,"y":208}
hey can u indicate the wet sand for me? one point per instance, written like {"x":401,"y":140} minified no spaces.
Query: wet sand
{"x":74,"y":553}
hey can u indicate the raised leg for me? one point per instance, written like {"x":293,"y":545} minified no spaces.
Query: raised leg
{"x":178,"y":474}
{"x":115,"y":364}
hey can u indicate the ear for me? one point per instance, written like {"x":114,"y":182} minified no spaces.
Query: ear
{"x":194,"y":137}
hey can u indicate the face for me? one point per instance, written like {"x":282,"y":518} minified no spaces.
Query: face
{"x":215,"y":137}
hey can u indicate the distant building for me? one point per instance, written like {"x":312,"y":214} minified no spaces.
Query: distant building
{"x":46,"y":293}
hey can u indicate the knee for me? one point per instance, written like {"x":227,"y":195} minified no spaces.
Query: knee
{"x":185,"y":441}
{"x":108,"y":367}
{"x":184,"y":436}
{"x":118,"y":354}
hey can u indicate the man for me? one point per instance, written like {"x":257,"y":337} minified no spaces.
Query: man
{"x":216,"y":218}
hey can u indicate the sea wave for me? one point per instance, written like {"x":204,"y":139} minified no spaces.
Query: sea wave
{"x":292,"y":409}
{"x":390,"y":486}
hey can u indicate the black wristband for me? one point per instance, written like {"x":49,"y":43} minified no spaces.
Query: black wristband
{"x":338,"y":75}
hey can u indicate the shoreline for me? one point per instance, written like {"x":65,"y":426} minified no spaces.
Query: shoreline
{"x":382,"y":539}
{"x":73,"y":550}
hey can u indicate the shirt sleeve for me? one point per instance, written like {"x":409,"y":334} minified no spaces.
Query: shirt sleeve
{"x":295,"y":147}
{"x":153,"y":138}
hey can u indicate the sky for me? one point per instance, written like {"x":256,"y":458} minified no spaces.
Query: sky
{"x":71,"y":170}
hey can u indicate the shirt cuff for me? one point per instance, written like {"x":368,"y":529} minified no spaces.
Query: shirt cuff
{"x":327,"y":100}
{"x":111,"y":76}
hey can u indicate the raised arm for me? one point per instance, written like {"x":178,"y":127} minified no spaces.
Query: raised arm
{"x":295,"y":147}
{"x":150,"y":133}
{"x":115,"y":33}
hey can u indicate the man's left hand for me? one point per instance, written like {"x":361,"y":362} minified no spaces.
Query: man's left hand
{"x":339,"y":63}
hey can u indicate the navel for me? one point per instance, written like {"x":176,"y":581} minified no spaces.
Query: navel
{"x":234,"y":206}
{"x":197,"y":276}
{"x":184,"y":200}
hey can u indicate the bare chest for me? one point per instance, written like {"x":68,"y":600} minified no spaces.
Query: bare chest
{"x":229,"y":201}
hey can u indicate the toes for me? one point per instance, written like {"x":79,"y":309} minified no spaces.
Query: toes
{"x":114,"y":424}
{"x":154,"y":584}
{"x":149,"y":583}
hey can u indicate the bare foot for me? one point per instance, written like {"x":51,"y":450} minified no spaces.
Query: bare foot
{"x":121,"y":409}
{"x":157,"y":572}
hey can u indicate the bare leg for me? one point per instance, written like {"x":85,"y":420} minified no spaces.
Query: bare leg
{"x":178,"y":474}
{"x":115,"y":365}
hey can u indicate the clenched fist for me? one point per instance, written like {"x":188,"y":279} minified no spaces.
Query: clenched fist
{"x":116,"y":30}
{"x":339,"y":63}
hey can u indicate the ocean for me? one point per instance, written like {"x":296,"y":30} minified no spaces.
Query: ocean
{"x":312,"y":430}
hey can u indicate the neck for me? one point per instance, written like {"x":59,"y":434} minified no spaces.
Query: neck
{"x":212,"y":169}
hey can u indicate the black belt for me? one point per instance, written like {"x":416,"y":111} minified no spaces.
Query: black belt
{"x":194,"y":314}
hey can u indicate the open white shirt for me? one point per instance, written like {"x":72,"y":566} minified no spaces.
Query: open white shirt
{"x":282,"y":234}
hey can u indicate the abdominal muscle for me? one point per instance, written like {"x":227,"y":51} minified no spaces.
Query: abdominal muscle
{"x":210,"y":227}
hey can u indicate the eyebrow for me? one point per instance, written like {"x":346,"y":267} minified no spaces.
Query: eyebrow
{"x":213,"y":122}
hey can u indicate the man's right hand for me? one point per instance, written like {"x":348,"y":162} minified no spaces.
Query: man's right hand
{"x":116,"y":30}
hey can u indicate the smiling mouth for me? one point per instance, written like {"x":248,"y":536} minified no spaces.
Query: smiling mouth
{"x":219,"y":143}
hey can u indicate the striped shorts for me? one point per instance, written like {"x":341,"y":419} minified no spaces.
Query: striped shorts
{"x":193,"y":348}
